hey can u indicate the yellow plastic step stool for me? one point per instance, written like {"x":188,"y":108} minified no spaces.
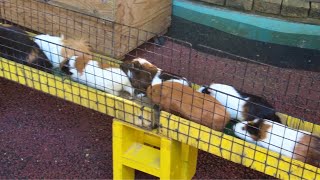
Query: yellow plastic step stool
{"x":136,"y":149}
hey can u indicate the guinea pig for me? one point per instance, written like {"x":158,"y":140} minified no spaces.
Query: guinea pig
{"x":241,"y":106}
{"x":59,"y":49}
{"x":94,"y":74}
{"x":297,"y":144}
{"x":142,"y":74}
{"x":184,"y":101}
{"x":16,"y":45}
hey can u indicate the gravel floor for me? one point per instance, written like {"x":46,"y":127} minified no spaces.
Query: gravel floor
{"x":45,"y":137}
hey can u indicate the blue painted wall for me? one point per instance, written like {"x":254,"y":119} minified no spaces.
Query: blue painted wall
{"x":250,"y":26}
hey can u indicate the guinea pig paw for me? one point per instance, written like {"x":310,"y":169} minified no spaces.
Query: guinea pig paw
{"x":154,"y":126}
{"x":66,"y":79}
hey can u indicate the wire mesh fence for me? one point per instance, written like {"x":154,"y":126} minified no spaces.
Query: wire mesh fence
{"x":243,"y":99}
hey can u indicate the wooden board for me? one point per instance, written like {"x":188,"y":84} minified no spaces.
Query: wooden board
{"x":136,"y":13}
{"x":105,"y":37}
{"x":129,"y":12}
{"x":128,"y":38}
{"x":99,"y":8}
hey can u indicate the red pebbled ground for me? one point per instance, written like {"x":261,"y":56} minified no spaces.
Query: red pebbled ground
{"x":42,"y":136}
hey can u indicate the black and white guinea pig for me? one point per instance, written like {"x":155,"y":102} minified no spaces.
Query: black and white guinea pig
{"x":241,"y":106}
{"x":16,"y":45}
{"x":297,"y":144}
{"x":142,"y":74}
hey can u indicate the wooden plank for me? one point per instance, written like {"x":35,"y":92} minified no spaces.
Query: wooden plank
{"x":136,"y":13}
{"x":98,"y":8}
{"x":129,"y":12}
{"x":126,"y":38}
{"x":48,"y":19}
{"x":148,"y":17}
{"x":105,"y":37}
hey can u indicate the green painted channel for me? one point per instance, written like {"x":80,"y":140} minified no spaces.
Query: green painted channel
{"x":250,"y":26}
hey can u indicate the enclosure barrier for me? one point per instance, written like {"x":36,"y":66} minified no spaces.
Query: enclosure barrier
{"x":173,"y":127}
{"x":116,"y":40}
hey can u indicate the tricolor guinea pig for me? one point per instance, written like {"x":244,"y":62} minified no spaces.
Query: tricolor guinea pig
{"x":297,"y":144}
{"x":142,"y":74}
{"x":241,"y":106}
{"x":16,"y":45}
{"x":97,"y":75}
{"x":59,"y":49}
{"x":184,"y":101}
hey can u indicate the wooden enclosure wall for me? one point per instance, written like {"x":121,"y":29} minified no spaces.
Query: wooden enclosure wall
{"x":143,"y":19}
{"x":99,"y":8}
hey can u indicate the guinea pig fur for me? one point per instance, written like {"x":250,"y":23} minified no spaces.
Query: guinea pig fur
{"x":59,"y":49}
{"x":184,"y":101}
{"x":16,"y":45}
{"x":142,"y":74}
{"x":94,"y":74}
{"x":297,"y":144}
{"x":240,"y":105}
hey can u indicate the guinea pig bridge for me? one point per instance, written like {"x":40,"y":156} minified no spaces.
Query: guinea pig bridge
{"x":171,"y":127}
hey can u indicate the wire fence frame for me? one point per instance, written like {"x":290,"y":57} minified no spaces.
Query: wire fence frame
{"x":160,"y":54}
{"x":61,"y":89}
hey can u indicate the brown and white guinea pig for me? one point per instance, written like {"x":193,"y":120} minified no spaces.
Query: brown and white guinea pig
{"x":142,"y":74}
{"x":184,"y":101}
{"x":297,"y":144}
{"x":59,"y":49}
{"x":98,"y":75}
{"x":16,"y":45}
{"x":241,"y":106}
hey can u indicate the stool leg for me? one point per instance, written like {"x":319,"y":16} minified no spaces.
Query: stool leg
{"x":119,"y":170}
{"x":190,"y":157}
{"x":165,"y":159}
{"x":170,"y":159}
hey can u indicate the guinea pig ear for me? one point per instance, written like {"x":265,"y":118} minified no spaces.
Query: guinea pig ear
{"x":206,"y":90}
{"x":125,"y":66}
{"x":264,"y":128}
{"x":65,"y":68}
{"x":137,"y":65}
{"x":254,"y":129}
{"x":81,"y":63}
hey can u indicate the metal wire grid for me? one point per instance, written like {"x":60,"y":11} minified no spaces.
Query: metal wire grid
{"x":105,"y":37}
{"x":10,"y":11}
{"x":291,"y":92}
